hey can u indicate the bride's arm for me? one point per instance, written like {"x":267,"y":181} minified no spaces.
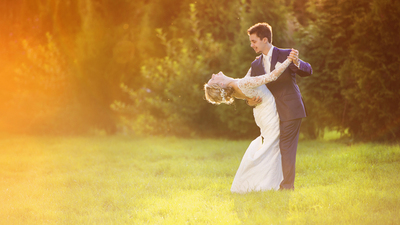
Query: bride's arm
{"x":266,"y":78}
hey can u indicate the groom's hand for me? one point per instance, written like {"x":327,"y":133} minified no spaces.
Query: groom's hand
{"x":254,"y":101}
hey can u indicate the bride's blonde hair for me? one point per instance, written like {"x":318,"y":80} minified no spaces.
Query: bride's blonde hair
{"x":216,"y":95}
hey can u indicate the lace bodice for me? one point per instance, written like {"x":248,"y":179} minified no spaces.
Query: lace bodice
{"x":248,"y":85}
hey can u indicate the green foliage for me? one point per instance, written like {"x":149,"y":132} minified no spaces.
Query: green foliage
{"x":352,"y":47}
{"x":43,"y":92}
{"x":372,"y":76}
{"x":65,"y":81}
{"x":325,"y":43}
{"x":170,"y":100}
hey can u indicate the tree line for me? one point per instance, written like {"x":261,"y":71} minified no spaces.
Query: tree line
{"x":72,"y":67}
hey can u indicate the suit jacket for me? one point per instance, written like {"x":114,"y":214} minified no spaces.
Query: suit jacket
{"x":289,"y":101}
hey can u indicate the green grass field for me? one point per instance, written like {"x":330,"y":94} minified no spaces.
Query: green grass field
{"x":121,"y":180}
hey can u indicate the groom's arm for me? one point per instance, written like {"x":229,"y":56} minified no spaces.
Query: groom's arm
{"x":303,"y":69}
{"x":298,"y":66}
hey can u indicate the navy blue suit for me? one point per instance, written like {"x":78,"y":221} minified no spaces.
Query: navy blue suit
{"x":290,"y":106}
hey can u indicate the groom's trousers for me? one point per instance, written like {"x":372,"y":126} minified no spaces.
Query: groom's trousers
{"x":289,"y":137}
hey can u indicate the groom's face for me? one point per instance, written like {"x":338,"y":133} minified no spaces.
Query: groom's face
{"x":259,"y":45}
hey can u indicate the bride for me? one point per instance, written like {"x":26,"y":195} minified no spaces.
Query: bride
{"x":261,"y":165}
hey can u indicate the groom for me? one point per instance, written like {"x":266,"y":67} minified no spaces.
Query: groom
{"x":289,"y":102}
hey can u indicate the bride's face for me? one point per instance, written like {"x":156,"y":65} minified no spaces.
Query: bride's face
{"x":219,"y":79}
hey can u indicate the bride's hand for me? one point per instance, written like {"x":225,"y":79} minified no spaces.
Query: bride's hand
{"x":294,"y":56}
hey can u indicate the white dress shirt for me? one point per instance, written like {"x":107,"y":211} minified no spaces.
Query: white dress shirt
{"x":267,"y":60}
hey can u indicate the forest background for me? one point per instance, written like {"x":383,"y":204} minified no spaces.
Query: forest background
{"x":138,"y":67}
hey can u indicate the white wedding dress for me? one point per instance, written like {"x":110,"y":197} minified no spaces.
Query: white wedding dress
{"x":261,"y":165}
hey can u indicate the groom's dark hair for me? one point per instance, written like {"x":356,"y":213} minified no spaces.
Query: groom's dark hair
{"x":262,"y":30}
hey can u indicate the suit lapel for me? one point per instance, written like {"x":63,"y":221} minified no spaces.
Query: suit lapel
{"x":257,"y":67}
{"x":274,"y":59}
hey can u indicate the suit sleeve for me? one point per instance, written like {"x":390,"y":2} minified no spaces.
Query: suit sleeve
{"x":303,"y":70}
